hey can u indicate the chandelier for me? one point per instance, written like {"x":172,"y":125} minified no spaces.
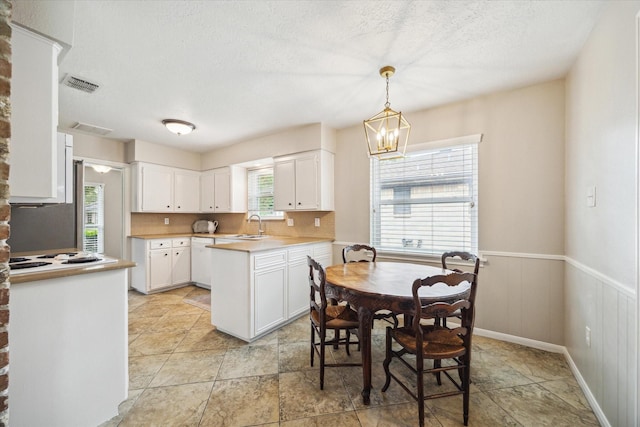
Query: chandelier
{"x":388,"y":131}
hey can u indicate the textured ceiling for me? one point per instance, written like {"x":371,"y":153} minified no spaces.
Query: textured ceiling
{"x":239,"y":69}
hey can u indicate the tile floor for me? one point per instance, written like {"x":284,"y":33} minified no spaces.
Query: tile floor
{"x":185,"y":373}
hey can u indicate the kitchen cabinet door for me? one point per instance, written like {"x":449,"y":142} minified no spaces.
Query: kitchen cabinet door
{"x":304,"y":181}
{"x":157,"y":189}
{"x":186,"y":191}
{"x":269,"y":298}
{"x":34,"y":115}
{"x":181,"y":265}
{"x":222,"y":191}
{"x":284,"y":185}
{"x":207,"y":191}
{"x":159,"y":269}
{"x":298,"y":281}
{"x":307,"y":183}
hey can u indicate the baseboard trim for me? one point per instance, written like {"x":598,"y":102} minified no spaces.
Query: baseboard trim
{"x":554,"y":348}
{"x":540,"y":345}
{"x":602,"y":419}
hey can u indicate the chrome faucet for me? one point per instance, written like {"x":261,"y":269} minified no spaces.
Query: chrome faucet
{"x":260,"y":230}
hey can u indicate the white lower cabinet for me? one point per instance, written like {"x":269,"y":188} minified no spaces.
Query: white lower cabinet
{"x":297,"y":280}
{"x":269,"y":283}
{"x":160,"y":264}
{"x":255,"y":293}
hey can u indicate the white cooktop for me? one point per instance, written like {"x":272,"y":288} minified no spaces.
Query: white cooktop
{"x":54,"y":261}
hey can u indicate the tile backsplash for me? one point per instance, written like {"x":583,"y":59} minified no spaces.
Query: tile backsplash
{"x":236,"y":223}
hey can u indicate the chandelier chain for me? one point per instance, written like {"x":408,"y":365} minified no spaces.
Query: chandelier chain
{"x":387,"y":104}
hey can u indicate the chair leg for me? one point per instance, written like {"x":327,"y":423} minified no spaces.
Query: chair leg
{"x":348,"y":339}
{"x":336,"y":335}
{"x":387,"y":361}
{"x":466,"y":373}
{"x":323,"y":334}
{"x":420,"y":385}
{"x":313,"y":343}
{"x":436,"y":364}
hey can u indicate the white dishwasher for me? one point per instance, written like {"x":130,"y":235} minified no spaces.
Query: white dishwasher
{"x":200,"y":261}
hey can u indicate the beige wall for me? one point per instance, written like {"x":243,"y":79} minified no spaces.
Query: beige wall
{"x":142,"y":151}
{"x":601,"y":282}
{"x":521,"y":217}
{"x":95,"y":147}
{"x":295,"y":140}
{"x":521,"y":161}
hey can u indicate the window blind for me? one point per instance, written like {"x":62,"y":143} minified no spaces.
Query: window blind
{"x":93,"y":227}
{"x":426,"y":202}
{"x":260,"y":193}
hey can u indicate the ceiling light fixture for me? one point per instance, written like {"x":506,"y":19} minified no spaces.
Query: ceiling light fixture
{"x":179,"y":127}
{"x":388,"y":131}
{"x":101,"y":168}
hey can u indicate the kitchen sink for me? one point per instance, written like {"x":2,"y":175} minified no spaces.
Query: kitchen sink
{"x":250,"y":236}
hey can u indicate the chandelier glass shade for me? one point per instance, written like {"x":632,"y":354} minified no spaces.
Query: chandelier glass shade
{"x":387,"y":132}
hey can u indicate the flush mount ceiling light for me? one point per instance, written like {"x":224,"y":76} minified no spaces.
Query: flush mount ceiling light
{"x":179,"y":127}
{"x":101,"y":168}
{"x":388,"y":131}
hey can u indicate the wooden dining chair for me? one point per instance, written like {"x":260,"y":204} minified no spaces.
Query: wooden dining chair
{"x":434,"y":342}
{"x":366,"y":253}
{"x":464,"y":256}
{"x":326,"y":317}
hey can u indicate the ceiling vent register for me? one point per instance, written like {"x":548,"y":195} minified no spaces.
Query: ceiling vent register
{"x":80,"y":83}
{"x":85,"y":127}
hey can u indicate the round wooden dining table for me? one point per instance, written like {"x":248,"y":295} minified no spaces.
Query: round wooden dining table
{"x":372,"y":286}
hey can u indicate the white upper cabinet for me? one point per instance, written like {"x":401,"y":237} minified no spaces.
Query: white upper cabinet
{"x":164,"y":189}
{"x":186,"y":191}
{"x":304,"y":181}
{"x":34,"y":115}
{"x":224,"y":190}
{"x":207,"y":182}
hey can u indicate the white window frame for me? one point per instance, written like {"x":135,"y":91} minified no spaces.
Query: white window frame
{"x":410,"y":242}
{"x":271,"y":215}
{"x":99,"y":223}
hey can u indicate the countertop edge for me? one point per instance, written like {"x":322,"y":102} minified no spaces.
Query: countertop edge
{"x":67,"y":272}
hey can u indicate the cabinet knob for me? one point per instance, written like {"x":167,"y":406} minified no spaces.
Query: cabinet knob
{"x":168,"y":206}
{"x":178,"y":207}
{"x":210,"y":207}
{"x":290,"y":203}
{"x":161,"y":244}
{"x":299,"y":203}
{"x":166,"y":254}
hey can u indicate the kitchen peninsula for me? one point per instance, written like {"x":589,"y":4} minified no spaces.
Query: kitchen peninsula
{"x":69,"y":338}
{"x":258,"y":286}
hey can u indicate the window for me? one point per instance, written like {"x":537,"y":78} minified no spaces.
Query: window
{"x":426,"y":202}
{"x":260,"y":193}
{"x":93,"y":228}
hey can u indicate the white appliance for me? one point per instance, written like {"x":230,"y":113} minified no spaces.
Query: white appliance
{"x":64,"y":171}
{"x":56,"y":261}
{"x":201,"y":261}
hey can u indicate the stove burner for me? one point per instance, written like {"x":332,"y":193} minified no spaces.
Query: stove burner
{"x":55,"y":255}
{"x":17,"y":259}
{"x":28,"y":265}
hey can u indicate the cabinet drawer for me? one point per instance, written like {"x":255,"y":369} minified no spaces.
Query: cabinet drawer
{"x":300,"y":254}
{"x":269,"y":259}
{"x":320,"y":250}
{"x":177,"y":243}
{"x":160,"y":244}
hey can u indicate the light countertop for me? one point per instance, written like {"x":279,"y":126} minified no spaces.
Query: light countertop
{"x":266,"y":244}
